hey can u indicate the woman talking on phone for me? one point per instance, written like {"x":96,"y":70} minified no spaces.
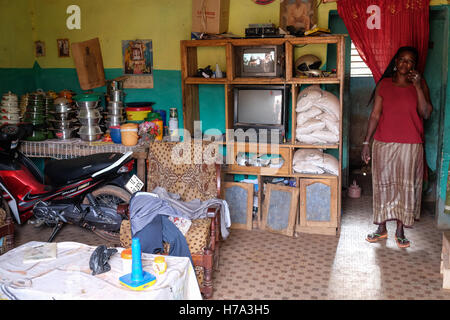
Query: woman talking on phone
{"x":401,"y":102}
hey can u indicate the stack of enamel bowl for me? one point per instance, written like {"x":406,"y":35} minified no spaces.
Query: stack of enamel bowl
{"x":62,"y":119}
{"x":10,"y":112}
{"x":35,"y":114}
{"x":89,"y":116}
{"x":115,"y":110}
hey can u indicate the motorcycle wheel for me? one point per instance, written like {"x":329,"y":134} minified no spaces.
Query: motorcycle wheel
{"x":109,"y":196}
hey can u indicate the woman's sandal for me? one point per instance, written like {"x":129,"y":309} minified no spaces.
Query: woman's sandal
{"x":375,"y":237}
{"x":402,"y":242}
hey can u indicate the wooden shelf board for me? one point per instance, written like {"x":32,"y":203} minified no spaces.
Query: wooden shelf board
{"x":199,"y":80}
{"x":222,"y":81}
{"x":283,"y":145}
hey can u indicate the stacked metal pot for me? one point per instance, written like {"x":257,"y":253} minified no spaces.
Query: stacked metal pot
{"x":62,"y":119}
{"x":115,"y":109}
{"x":35,"y":114}
{"x":89,"y":116}
{"x":10,"y":112}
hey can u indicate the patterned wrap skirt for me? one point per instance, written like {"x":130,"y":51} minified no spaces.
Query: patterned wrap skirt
{"x":397,"y":175}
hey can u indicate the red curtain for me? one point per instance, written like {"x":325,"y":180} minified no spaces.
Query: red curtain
{"x":379,"y":27}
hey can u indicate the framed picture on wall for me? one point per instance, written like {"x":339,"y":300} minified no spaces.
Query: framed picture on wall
{"x":63,"y":48}
{"x":137,"y":63}
{"x":39,"y":48}
{"x":137,"y":57}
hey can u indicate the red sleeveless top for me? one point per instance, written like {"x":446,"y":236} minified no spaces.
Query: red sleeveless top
{"x":399,"y":121}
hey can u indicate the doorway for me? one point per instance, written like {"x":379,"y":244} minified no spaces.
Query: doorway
{"x":359,"y":89}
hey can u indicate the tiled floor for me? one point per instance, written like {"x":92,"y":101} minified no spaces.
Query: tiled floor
{"x":260,"y":265}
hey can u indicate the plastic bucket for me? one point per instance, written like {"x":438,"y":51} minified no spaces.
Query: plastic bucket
{"x":129,"y":134}
{"x":137,"y":113}
{"x":116,"y":134}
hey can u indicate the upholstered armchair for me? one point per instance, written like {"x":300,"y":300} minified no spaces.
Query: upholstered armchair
{"x":6,"y":229}
{"x":190,"y":171}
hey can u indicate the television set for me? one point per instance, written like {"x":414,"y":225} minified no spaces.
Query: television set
{"x":261,"y":107}
{"x":259,"y":61}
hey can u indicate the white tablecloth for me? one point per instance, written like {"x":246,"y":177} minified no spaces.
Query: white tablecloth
{"x":69,"y":277}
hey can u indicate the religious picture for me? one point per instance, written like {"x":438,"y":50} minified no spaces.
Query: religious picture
{"x":137,"y":57}
{"x":63,"y":48}
{"x":300,"y":15}
{"x":39,"y":49}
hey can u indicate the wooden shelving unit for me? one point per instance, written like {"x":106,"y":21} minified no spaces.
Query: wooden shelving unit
{"x":191,"y":113}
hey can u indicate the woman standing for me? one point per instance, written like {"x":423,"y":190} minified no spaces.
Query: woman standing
{"x":402,"y":101}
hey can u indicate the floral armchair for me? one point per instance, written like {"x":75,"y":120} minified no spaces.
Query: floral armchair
{"x":190,"y":171}
{"x":6,"y":229}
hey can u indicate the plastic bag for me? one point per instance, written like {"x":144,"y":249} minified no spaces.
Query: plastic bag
{"x":99,"y":259}
{"x":310,"y":126}
{"x":307,"y":97}
{"x":302,"y":117}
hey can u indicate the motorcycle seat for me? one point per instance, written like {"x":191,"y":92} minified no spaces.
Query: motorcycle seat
{"x":62,"y":172}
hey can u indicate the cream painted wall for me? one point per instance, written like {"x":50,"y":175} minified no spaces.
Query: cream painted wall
{"x":16,"y":45}
{"x":166,"y":22}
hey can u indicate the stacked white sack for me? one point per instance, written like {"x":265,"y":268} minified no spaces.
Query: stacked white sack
{"x":314,"y":161}
{"x":317,"y":116}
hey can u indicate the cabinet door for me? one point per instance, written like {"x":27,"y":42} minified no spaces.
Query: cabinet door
{"x":318,"y":203}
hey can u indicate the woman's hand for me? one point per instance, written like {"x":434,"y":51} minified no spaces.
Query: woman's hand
{"x":414,"y":77}
{"x":365,"y":154}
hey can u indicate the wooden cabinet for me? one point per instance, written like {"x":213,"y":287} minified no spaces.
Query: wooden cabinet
{"x":318,"y":206}
{"x":191,"y":113}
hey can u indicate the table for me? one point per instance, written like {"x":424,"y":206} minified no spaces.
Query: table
{"x":72,"y":148}
{"x":69,"y":277}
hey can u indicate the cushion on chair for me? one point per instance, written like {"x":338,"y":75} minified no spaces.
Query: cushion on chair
{"x":6,"y":232}
{"x":171,"y":167}
{"x":198,"y":235}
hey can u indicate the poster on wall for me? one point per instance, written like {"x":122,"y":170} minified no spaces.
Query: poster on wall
{"x":88,"y":60}
{"x":138,"y":63}
{"x":298,"y":16}
{"x":39,"y":48}
{"x":63,"y":48}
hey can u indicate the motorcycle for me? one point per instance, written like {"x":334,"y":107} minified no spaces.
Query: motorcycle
{"x":84,"y":190}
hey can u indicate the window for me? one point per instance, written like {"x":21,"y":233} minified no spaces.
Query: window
{"x":358,"y":67}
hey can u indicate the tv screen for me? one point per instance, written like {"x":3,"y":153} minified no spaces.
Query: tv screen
{"x":259,"y":106}
{"x":259,"y":62}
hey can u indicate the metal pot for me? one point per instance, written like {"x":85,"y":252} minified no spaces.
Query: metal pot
{"x":64,"y":134}
{"x":89,"y":113}
{"x":90,"y":133}
{"x":115,"y":104}
{"x":87,"y":104}
{"x":112,"y":121}
{"x":61,"y":115}
{"x":61,"y":105}
{"x":114,"y":85}
{"x":89,"y":121}
{"x":116,"y":95}
{"x":115,"y":111}
{"x":62,"y":124}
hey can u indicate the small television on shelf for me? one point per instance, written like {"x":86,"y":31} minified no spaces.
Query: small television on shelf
{"x":259,"y":61}
{"x":260,"y":107}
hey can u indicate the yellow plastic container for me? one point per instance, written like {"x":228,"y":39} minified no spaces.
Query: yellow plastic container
{"x":129,"y":134}
{"x":137,"y":113}
{"x":127,"y":261}
{"x":159,"y":265}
